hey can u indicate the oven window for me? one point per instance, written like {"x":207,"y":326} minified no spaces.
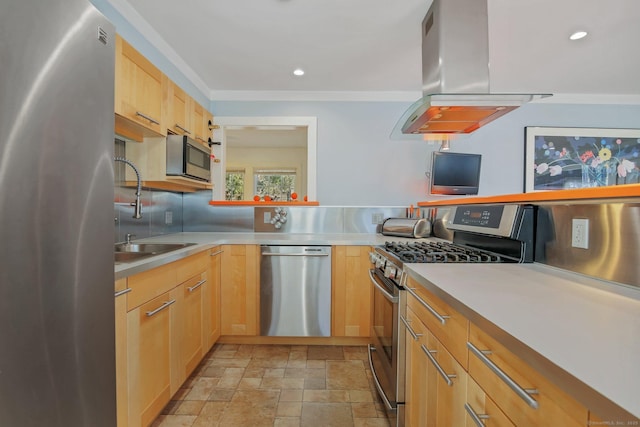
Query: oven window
{"x":383,"y":322}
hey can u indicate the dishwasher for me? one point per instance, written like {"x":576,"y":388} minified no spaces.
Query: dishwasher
{"x":295,"y":291}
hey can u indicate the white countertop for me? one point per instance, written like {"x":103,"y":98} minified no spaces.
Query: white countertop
{"x":587,"y":327}
{"x":204,"y":240}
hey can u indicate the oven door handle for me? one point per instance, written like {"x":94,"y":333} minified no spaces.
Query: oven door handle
{"x":371,"y":349}
{"x":385,"y":293}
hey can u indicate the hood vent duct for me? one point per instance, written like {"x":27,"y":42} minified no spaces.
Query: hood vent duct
{"x":455,"y":73}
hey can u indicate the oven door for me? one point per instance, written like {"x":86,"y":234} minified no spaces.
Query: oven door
{"x":386,"y":355}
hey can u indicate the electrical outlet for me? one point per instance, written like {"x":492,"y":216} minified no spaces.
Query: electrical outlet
{"x":377,"y":218}
{"x":580,"y":233}
{"x":168,"y":217}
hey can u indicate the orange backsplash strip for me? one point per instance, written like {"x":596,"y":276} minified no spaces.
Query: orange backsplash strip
{"x":252,"y":203}
{"x":616,"y":192}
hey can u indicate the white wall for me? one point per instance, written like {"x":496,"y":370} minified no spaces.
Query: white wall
{"x":360,"y":165}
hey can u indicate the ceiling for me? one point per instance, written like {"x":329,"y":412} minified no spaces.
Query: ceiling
{"x":374,"y":46}
{"x":254,"y":45}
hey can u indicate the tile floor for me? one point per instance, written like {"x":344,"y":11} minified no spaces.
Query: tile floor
{"x":278,"y":385}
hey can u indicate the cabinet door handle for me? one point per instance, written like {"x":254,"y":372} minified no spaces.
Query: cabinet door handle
{"x":443,"y":374}
{"x":406,"y":325}
{"x":183,"y":129}
{"x":122,"y":292}
{"x":159,"y":309}
{"x":477,"y":418}
{"x":523,"y":393}
{"x":196,"y":286}
{"x":441,"y":317}
{"x":144,"y":116}
{"x":216,"y":253}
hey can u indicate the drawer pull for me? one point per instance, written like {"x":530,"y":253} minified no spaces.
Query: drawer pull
{"x":144,"y":116}
{"x":406,"y":325}
{"x":159,"y":309}
{"x":443,"y":374}
{"x":441,"y":318}
{"x":216,"y":253}
{"x":196,"y":286}
{"x":477,"y":418}
{"x":524,"y":394}
{"x":122,"y":292}
{"x":183,"y":129}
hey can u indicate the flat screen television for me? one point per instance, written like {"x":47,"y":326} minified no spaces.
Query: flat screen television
{"x":455,"y":173}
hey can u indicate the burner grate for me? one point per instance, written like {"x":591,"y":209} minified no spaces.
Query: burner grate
{"x":439,"y":252}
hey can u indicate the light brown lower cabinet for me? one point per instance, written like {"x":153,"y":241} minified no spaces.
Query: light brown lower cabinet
{"x":163,"y":329}
{"x":193,"y":322}
{"x":212,"y":298}
{"x":351,"y":291}
{"x":523,"y":394}
{"x":240,"y":289}
{"x":436,"y":384}
{"x":152,"y":336}
{"x":496,"y":389}
{"x":482,"y":410}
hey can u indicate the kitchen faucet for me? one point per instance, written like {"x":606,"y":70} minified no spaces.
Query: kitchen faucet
{"x":137,"y":214}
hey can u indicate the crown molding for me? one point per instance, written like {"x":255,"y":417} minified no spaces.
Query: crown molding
{"x":247,"y":95}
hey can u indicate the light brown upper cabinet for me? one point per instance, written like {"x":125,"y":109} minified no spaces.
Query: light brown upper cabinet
{"x":138,"y":94}
{"x":201,"y":121}
{"x":179,"y":109}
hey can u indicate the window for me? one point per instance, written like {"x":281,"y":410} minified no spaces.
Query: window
{"x":234,"y":186}
{"x":278,"y":184}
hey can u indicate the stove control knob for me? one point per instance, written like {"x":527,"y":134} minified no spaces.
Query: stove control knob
{"x":380,"y":262}
{"x":372,"y":258}
{"x":390,"y":272}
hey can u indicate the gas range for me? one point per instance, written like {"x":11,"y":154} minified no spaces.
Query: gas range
{"x":482,"y":234}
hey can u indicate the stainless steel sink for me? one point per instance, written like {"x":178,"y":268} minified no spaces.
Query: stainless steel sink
{"x":129,"y":252}
{"x":156,"y":248}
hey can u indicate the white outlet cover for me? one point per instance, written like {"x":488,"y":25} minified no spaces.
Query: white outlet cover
{"x":580,"y":233}
{"x":168,"y":217}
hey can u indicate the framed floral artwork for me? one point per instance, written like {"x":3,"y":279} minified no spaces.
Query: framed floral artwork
{"x":565,"y":158}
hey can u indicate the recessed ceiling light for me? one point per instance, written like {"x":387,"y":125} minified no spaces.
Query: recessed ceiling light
{"x":578,"y":35}
{"x":298,"y":72}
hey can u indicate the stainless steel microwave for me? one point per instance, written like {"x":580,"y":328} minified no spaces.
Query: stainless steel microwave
{"x":188,"y":158}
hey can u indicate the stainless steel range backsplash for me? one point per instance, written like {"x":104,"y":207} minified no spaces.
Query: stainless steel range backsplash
{"x":613,"y":251}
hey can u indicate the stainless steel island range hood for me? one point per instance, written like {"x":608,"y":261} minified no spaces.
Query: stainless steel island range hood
{"x":455,"y":73}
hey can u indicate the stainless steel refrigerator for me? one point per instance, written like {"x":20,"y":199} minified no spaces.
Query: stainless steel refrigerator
{"x":56,"y":215}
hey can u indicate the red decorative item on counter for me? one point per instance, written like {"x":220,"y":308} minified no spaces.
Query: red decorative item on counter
{"x":256,"y":198}
{"x":294,"y":196}
{"x":267,"y":198}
